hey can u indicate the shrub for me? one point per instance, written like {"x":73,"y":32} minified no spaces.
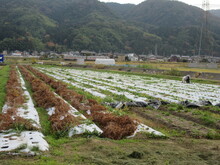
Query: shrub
{"x":99,"y":66}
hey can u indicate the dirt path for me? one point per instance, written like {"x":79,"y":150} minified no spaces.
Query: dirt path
{"x":190,"y":116}
{"x":210,"y":109}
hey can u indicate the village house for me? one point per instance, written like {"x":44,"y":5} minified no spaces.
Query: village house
{"x":155,"y":58}
{"x":5,"y":52}
{"x":131,"y":57}
{"x":174,"y":58}
{"x":16,"y":53}
{"x":186,"y":59}
{"x":88,"y":53}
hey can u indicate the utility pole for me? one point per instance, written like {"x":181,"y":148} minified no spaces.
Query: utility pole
{"x":204,"y":34}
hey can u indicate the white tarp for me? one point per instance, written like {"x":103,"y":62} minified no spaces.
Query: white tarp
{"x":105,"y":61}
{"x":26,"y":140}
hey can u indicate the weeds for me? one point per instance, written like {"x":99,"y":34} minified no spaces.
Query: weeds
{"x":110,"y":77}
{"x":99,"y":66}
{"x":153,"y":136}
{"x":21,"y":147}
{"x":35,"y":149}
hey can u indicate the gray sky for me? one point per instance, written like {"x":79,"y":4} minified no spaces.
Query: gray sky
{"x":214,"y":4}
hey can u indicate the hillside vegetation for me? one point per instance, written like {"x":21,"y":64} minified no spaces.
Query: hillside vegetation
{"x":105,"y":27}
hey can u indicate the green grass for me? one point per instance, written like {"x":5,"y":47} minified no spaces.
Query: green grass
{"x":86,"y":94}
{"x":206,"y":118}
{"x":173,"y":72}
{"x":45,"y":123}
{"x":147,"y":66}
{"x":4,"y":75}
{"x":97,"y":151}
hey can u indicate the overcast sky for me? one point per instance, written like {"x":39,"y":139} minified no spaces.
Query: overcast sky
{"x":214,"y":4}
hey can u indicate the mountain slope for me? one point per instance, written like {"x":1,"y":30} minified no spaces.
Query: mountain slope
{"x":121,"y":10}
{"x":215,"y":12}
{"x":63,"y":25}
{"x":166,"y":13}
{"x":172,"y":19}
{"x":69,"y":24}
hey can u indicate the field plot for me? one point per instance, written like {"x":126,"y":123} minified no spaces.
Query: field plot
{"x":110,"y":87}
{"x":113,"y":126}
{"x":20,"y":126}
{"x":70,"y":107}
{"x":63,"y":117}
{"x":137,"y":88}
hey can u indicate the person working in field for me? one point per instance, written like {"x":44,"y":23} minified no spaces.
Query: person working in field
{"x":186,"y":79}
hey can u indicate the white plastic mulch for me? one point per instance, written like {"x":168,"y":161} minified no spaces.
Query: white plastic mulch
{"x":95,"y":87}
{"x":133,"y":85}
{"x":140,"y":128}
{"x":27,"y":139}
{"x":144,"y":128}
{"x":79,"y":129}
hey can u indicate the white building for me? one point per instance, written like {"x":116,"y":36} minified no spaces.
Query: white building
{"x":105,"y":61}
{"x":16,"y":53}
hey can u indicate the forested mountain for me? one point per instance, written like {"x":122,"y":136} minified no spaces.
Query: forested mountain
{"x":165,"y":13}
{"x":178,"y":24}
{"x":68,"y":24}
{"x":92,"y":25}
{"x":121,"y":10}
{"x":215,"y":12}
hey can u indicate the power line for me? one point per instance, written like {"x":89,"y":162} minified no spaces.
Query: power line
{"x":204,"y":40}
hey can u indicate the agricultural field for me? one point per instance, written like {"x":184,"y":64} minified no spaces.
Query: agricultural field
{"x":136,"y":88}
{"x":180,"y":66}
{"x":60,"y":115}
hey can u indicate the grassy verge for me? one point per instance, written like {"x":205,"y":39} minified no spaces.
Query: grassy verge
{"x":4,"y":75}
{"x":96,"y":151}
